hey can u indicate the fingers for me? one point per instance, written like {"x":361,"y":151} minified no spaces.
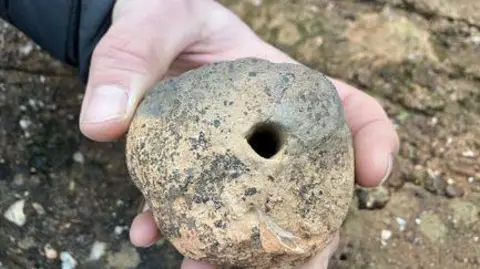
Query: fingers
{"x":375,"y":139}
{"x":143,"y":231}
{"x":133,"y":55}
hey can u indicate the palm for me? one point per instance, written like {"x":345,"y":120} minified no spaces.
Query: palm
{"x":226,"y":38}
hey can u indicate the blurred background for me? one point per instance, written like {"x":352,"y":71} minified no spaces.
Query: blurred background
{"x":65,"y":199}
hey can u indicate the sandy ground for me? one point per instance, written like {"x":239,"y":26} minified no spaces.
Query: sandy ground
{"x":420,"y":58}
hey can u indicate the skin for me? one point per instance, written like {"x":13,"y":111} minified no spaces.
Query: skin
{"x":142,"y":47}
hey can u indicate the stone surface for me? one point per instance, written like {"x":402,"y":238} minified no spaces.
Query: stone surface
{"x":247,"y":163}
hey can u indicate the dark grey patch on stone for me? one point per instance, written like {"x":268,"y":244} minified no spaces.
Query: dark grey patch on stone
{"x":210,"y":183}
{"x":190,"y":221}
{"x":308,"y":197}
{"x":250,"y":191}
{"x":267,"y":206}
{"x":257,"y":242}
{"x":199,"y":142}
{"x":181,"y":186}
{"x":220,"y":224}
{"x":170,"y":229}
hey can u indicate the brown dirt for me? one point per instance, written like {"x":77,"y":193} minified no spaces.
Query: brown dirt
{"x":419,"y":58}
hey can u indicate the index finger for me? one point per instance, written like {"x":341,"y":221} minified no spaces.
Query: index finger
{"x":375,"y":140}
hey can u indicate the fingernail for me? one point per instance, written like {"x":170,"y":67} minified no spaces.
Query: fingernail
{"x":391,"y":164}
{"x":106,"y":103}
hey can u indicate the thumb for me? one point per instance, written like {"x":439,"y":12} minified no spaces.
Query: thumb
{"x":133,"y":55}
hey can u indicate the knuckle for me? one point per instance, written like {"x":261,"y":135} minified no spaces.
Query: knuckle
{"x":121,"y":52}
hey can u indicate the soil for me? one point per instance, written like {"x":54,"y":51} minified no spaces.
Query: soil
{"x":420,"y":58}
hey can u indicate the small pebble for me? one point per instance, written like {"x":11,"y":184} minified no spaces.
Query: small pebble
{"x":450,"y":181}
{"x":375,"y":198}
{"x":449,"y":141}
{"x":119,"y":229}
{"x":385,"y":235}
{"x":402,"y":223}
{"x":68,"y":262}
{"x":435,"y":184}
{"x":50,"y":252}
{"x":452,"y":191}
{"x":26,"y":243}
{"x":475,"y":239}
{"x":470,"y":179}
{"x":26,"y":49}
{"x":15,"y":213}
{"x":32,"y":103}
{"x":71,"y":186}
{"x":98,"y":250}
{"x":38,"y":208}
{"x":257,"y":2}
{"x":476,"y":39}
{"x":24,"y":123}
{"x":418,"y":221}
{"x":78,"y":157}
{"x":468,"y":153}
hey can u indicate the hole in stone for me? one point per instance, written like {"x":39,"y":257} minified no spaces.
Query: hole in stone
{"x":266,"y":139}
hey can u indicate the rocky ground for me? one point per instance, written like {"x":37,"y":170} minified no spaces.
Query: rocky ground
{"x":65,"y":199}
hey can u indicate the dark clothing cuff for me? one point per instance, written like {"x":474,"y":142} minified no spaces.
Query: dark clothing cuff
{"x":67,"y":29}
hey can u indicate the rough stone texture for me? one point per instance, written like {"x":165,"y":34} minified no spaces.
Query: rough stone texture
{"x":197,"y":149}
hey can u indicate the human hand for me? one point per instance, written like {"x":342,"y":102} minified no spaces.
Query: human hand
{"x":151,"y":40}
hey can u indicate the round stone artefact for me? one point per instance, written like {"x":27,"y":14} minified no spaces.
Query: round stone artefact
{"x":247,"y":162}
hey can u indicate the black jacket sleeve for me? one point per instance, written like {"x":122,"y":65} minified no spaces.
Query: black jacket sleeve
{"x":67,"y":29}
